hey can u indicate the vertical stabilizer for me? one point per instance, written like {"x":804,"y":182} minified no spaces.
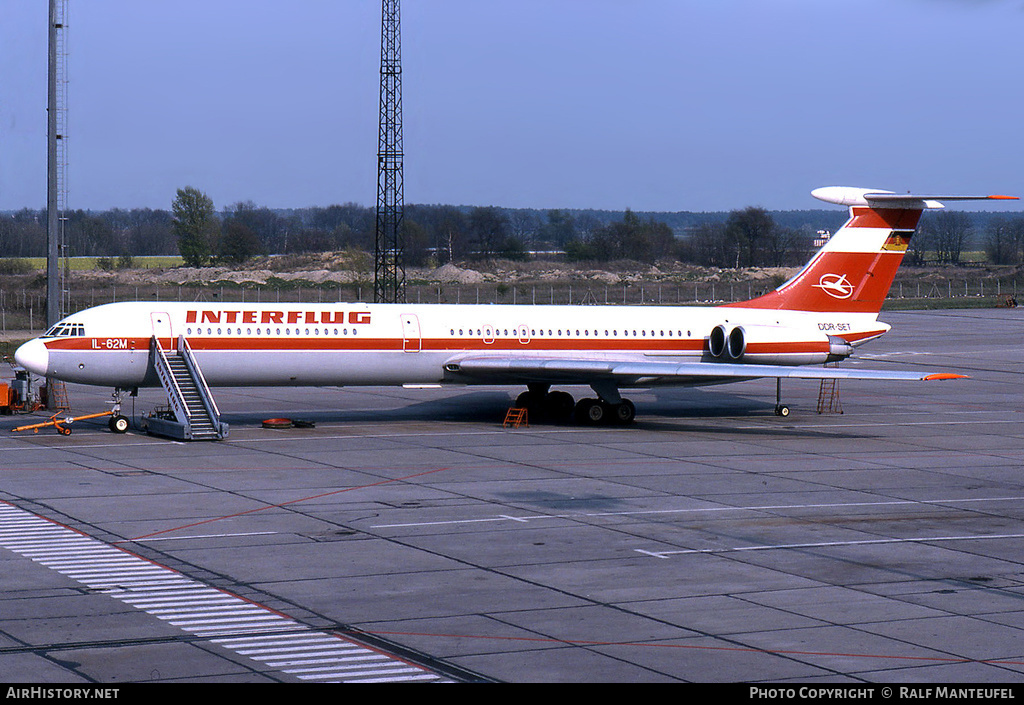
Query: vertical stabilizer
{"x":853,"y":271}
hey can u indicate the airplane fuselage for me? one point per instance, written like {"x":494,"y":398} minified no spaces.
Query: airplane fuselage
{"x":394,"y":344}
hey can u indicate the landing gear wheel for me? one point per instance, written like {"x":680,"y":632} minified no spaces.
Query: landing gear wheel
{"x":591,"y":412}
{"x":533,"y":403}
{"x":782,"y":410}
{"x":559,"y":406}
{"x":525,"y":400}
{"x":118,"y":424}
{"x":624,"y":413}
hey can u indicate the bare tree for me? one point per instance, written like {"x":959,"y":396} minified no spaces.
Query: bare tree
{"x":950,"y":231}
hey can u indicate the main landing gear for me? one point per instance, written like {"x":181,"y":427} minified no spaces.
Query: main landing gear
{"x":597,"y":411}
{"x":560,"y":407}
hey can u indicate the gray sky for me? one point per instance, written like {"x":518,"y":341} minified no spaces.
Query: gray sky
{"x":652,"y":104}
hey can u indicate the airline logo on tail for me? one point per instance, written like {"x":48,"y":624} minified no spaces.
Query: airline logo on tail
{"x":835,"y":285}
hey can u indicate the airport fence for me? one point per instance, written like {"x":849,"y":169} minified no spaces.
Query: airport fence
{"x":24,"y":309}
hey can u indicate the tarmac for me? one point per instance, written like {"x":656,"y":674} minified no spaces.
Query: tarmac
{"x":405,"y":534}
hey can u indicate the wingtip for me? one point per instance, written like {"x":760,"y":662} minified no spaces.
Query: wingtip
{"x":943,"y":375}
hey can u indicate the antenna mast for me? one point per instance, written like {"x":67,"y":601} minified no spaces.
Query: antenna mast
{"x":389,"y":272}
{"x":56,"y":163}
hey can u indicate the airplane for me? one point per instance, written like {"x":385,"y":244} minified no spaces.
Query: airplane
{"x":821,"y":315}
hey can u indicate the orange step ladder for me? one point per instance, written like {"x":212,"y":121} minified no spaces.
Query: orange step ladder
{"x":516,"y":417}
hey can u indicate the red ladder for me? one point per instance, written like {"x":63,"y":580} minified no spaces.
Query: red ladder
{"x":828,"y":397}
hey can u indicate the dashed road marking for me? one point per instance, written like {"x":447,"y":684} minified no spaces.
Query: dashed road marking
{"x":236,"y":624}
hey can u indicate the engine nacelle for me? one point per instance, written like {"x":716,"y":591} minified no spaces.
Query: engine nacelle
{"x":737,"y":344}
{"x":717,"y":341}
{"x":727,"y":344}
{"x":775,"y":345}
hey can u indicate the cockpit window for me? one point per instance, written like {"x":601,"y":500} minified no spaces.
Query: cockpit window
{"x":65,"y":330}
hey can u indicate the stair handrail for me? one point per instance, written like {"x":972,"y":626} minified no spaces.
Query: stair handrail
{"x":163,"y":371}
{"x":209,"y":403}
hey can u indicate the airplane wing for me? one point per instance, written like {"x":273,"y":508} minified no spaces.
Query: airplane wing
{"x":629,"y":373}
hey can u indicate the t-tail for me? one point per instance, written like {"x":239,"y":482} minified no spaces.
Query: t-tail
{"x":853,"y":271}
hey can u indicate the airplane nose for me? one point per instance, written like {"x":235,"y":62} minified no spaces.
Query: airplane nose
{"x":33,"y":356}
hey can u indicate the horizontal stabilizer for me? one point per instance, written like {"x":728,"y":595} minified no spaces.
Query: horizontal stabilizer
{"x":876,"y":198}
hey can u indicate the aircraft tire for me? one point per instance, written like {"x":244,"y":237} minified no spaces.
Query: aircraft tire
{"x":782,"y":410}
{"x":559,"y":406}
{"x":533,"y":403}
{"x":591,"y":412}
{"x":624,"y":413}
{"x":118,"y":424}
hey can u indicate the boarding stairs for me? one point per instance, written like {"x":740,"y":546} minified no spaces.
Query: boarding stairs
{"x":194,"y":411}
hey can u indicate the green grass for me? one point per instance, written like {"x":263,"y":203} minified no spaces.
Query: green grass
{"x":82,"y":264}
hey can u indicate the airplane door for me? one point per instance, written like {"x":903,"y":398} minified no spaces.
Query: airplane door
{"x":411,"y":339}
{"x":162,"y":327}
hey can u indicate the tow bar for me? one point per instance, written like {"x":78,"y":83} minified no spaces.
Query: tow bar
{"x":61,"y":424}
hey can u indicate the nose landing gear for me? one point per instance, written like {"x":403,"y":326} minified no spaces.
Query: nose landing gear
{"x":118,"y":423}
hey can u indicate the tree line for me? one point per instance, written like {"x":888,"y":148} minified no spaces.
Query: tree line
{"x":436,"y":234}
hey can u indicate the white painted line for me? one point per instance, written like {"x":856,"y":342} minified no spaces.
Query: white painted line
{"x":357,"y":662}
{"x":826,"y":544}
{"x":701,"y":510}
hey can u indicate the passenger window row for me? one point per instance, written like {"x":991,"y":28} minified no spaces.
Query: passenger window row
{"x":577,"y":333}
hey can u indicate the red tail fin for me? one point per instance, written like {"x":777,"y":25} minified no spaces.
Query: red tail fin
{"x":854,"y":270}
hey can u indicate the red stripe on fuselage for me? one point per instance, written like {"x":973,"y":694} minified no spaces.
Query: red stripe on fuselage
{"x":341,"y":345}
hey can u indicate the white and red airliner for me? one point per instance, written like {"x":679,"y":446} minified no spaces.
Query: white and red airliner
{"x":820,"y":315}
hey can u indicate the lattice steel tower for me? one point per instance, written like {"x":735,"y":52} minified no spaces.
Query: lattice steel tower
{"x":389,"y":270}
{"x":56,"y":163}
